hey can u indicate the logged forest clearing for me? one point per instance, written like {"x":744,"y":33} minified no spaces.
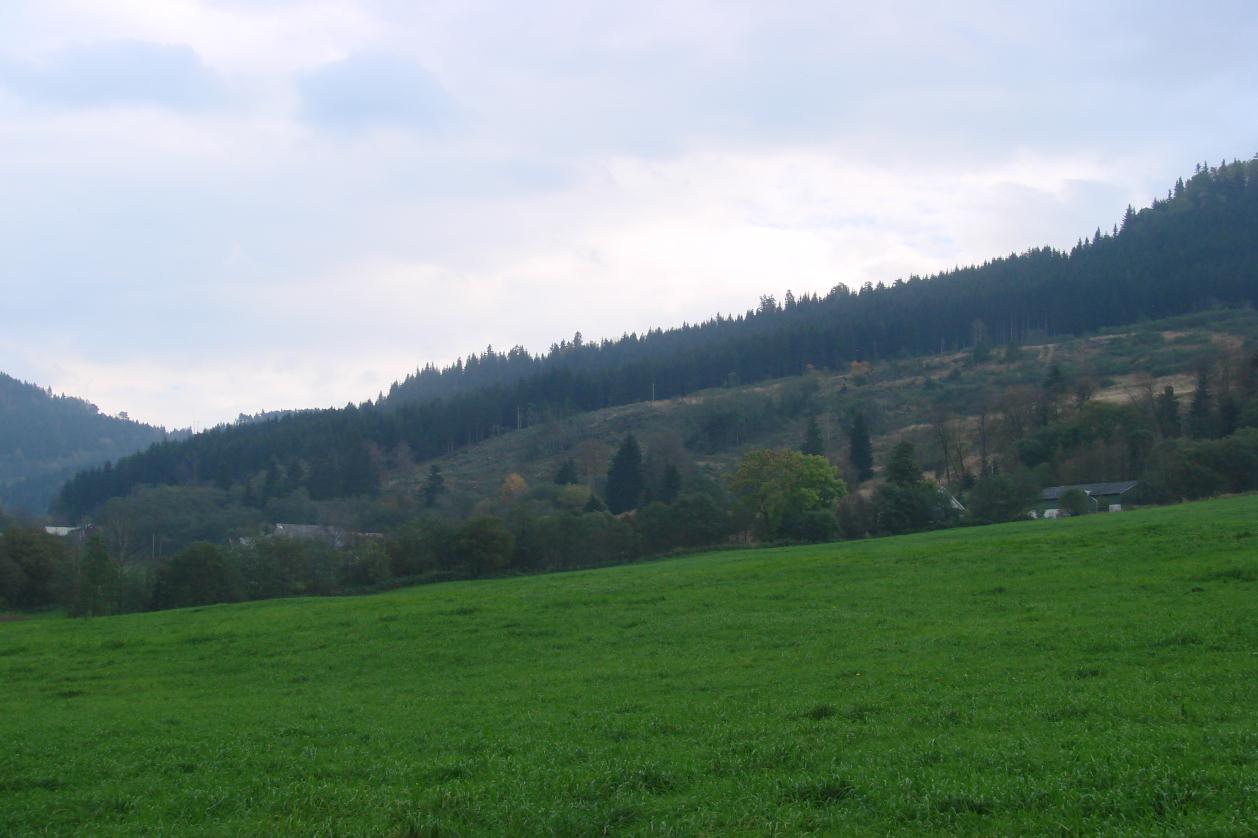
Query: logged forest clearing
{"x":1093,"y":674}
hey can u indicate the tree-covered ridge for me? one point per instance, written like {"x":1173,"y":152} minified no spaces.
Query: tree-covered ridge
{"x":44,"y":438}
{"x":1198,"y":246}
{"x":1195,"y":249}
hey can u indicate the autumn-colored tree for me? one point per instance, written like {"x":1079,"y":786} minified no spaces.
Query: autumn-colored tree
{"x":772,"y":484}
{"x":513,"y":487}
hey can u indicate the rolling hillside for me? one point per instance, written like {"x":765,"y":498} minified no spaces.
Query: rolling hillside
{"x":1092,"y":675}
{"x":905,"y":398}
{"x":44,"y":439}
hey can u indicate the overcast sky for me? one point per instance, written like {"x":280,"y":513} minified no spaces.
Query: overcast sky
{"x":217,"y":206}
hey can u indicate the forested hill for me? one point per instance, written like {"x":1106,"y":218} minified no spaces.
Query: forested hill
{"x":1195,"y":249}
{"x":45,"y":438}
{"x":1198,"y":247}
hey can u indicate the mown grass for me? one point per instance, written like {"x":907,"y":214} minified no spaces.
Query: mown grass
{"x":1089,"y":675}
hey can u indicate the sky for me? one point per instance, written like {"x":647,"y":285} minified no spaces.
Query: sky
{"x":221,"y":206}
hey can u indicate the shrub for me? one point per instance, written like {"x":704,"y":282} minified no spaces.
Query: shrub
{"x":1076,"y":502}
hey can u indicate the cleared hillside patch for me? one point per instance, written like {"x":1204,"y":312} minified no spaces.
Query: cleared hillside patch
{"x":1093,"y":674}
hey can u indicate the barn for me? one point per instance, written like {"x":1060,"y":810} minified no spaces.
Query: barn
{"x":1102,"y":497}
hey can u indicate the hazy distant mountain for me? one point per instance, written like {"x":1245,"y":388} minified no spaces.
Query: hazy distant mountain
{"x":45,"y":438}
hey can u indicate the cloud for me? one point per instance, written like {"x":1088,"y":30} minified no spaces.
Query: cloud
{"x":112,"y":73}
{"x":372,"y":89}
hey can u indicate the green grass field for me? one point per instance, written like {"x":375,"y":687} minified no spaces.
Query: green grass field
{"x":1097,"y":674}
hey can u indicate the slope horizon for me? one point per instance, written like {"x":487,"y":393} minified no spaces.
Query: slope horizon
{"x":268,"y":411}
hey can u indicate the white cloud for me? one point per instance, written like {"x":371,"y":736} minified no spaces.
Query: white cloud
{"x":366,"y":90}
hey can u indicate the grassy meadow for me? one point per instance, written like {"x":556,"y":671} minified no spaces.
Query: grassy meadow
{"x":1097,"y":674}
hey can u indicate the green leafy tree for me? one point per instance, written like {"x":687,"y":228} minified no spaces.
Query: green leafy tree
{"x":902,"y":509}
{"x":1002,"y":497}
{"x":422,"y":546}
{"x":1076,"y":502}
{"x":99,"y":581}
{"x":483,"y":545}
{"x":861,"y":454}
{"x":31,"y":563}
{"x":624,"y":477}
{"x":199,"y":574}
{"x":772,"y":484}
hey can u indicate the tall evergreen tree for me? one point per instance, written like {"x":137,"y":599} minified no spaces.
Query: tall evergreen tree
{"x":1166,"y":412}
{"x":624,"y":477}
{"x":902,"y":469}
{"x":813,"y":443}
{"x":567,"y":474}
{"x":861,"y":454}
{"x":434,"y":486}
{"x":1201,"y":412}
{"x":670,"y":484}
{"x":1229,"y":413}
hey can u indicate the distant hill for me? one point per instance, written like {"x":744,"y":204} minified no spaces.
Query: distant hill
{"x":1193,"y":251}
{"x":45,"y":438}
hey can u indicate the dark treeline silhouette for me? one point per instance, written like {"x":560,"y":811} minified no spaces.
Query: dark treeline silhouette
{"x":45,"y":438}
{"x":1197,"y":248}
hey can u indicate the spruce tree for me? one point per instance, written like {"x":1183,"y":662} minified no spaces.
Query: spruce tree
{"x":902,"y":469}
{"x":813,"y":443}
{"x":670,"y":485}
{"x":567,"y":474}
{"x":434,"y":486}
{"x":1166,"y":410}
{"x":862,"y":453}
{"x":624,"y":477}
{"x":1201,"y":413}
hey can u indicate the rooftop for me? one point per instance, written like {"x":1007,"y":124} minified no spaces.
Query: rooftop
{"x":1055,"y":492}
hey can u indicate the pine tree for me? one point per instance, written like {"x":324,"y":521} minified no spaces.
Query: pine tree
{"x":624,"y":477}
{"x":862,"y":453}
{"x":902,"y":469}
{"x":1229,"y":414}
{"x":670,"y":485}
{"x":434,"y":486}
{"x":1201,"y":413}
{"x":1166,"y":411}
{"x":813,"y":443}
{"x":567,"y":474}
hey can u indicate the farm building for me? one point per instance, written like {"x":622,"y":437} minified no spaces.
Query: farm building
{"x":1102,"y":497}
